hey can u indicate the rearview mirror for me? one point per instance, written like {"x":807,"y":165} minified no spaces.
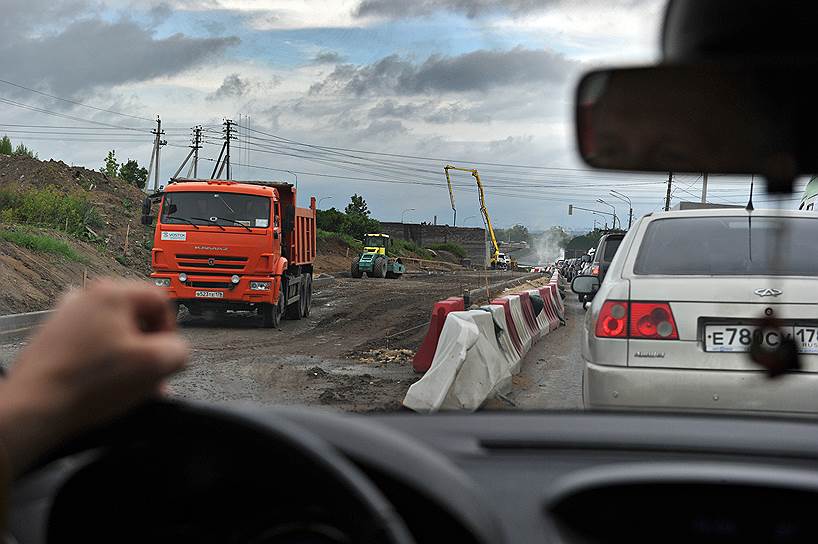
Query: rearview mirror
{"x":718,"y":118}
{"x":585,"y":285}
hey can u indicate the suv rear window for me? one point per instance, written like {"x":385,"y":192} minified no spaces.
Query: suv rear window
{"x":723,"y":246}
{"x":610,"y":247}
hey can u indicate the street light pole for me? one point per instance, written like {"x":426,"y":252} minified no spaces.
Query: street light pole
{"x":613,"y":208}
{"x":322,"y":198}
{"x":625,"y":198}
{"x":403,"y":213}
{"x":467,"y":219}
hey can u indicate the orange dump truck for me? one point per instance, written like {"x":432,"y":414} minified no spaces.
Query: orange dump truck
{"x":234,"y":245}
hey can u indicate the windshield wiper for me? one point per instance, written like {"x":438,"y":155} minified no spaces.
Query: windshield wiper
{"x":185,"y":219}
{"x":209,"y":221}
{"x":237,"y":223}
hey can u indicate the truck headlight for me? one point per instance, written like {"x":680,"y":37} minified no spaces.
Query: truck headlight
{"x":259,"y":285}
{"x":183,"y":277}
{"x":161,"y":282}
{"x":235,"y":278}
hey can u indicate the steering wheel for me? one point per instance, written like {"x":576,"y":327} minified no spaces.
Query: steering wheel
{"x":163,"y":428}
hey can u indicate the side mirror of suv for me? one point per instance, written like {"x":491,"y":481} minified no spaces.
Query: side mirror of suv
{"x":585,"y":285}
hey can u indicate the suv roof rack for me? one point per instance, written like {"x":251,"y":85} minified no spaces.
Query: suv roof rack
{"x":265,"y":183}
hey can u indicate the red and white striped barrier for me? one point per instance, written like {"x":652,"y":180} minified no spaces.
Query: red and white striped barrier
{"x":478,"y":351}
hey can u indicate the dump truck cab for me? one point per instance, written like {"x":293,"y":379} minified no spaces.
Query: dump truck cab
{"x":228,"y":245}
{"x":376,"y":261}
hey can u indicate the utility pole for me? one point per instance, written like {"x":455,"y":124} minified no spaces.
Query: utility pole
{"x":157,"y":143}
{"x":228,"y":133}
{"x":197,"y":145}
{"x":194,"y":152}
{"x":704,"y":187}
{"x":667,"y":197}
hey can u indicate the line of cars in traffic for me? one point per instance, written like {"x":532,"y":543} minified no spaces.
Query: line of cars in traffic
{"x":704,"y":310}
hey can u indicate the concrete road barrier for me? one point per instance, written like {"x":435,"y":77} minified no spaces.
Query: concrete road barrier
{"x":20,"y":324}
{"x":469,"y":366}
{"x":477,"y":351}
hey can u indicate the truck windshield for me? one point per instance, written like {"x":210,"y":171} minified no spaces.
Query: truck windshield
{"x":223,"y":209}
{"x":374,"y":241}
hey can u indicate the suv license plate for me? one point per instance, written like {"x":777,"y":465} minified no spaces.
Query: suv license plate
{"x":737,"y":338}
{"x":209,"y":294}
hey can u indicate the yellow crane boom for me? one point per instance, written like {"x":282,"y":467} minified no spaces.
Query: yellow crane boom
{"x":473,"y":171}
{"x":451,"y":194}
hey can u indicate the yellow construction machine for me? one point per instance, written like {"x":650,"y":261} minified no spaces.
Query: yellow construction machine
{"x":497,"y":261}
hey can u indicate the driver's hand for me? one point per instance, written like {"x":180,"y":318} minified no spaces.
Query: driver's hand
{"x":103,"y":351}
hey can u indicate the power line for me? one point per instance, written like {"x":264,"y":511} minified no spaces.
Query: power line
{"x":74,"y":101}
{"x":65,"y":116}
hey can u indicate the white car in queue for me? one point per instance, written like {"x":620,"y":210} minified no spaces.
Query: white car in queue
{"x":671,"y":325}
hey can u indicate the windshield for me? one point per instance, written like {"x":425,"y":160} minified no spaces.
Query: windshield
{"x":726,"y":246}
{"x":449,"y":127}
{"x":224,"y":209}
{"x":375,"y":241}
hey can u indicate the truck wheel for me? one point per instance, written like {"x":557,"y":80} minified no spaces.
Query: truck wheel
{"x":354,"y":271}
{"x":294,"y":310}
{"x":271,"y":313}
{"x":379,"y":268}
{"x":307,"y":296}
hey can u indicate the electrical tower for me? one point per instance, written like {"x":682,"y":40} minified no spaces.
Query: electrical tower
{"x":229,"y":132}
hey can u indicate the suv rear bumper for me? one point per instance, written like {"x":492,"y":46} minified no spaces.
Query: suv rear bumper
{"x":612,"y":387}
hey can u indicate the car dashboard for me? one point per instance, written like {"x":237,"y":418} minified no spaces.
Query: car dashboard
{"x":487,"y":477}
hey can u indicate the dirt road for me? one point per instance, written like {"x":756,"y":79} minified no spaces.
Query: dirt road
{"x":337,"y":357}
{"x":353,"y":353}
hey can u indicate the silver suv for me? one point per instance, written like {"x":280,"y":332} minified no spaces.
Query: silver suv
{"x":672,"y":323}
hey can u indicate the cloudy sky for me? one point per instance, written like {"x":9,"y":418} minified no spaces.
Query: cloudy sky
{"x":352,"y":96}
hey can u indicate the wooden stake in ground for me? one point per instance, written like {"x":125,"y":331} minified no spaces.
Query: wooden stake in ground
{"x":127,"y":232}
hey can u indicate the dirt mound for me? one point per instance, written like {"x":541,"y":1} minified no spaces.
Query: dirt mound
{"x":117,"y":202}
{"x":334,"y":256}
{"x":38,"y":278}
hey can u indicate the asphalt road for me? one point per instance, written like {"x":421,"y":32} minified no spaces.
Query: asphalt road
{"x":551,"y":374}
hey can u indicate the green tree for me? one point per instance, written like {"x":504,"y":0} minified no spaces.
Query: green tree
{"x":585,"y":242}
{"x":131,"y":172}
{"x":357,"y":206}
{"x":517,"y":233}
{"x":330,"y":220}
{"x":5,"y":146}
{"x":23,"y":151}
{"x":111,"y":167}
{"x":357,"y":225}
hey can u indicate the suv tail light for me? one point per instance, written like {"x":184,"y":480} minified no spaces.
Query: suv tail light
{"x":653,"y":320}
{"x":595,"y":270}
{"x":648,"y":320}
{"x":613,"y":320}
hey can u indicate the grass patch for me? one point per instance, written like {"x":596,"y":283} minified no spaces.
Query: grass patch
{"x":357,"y":245}
{"x":41,"y":243}
{"x":451,"y":247}
{"x":48,"y":207}
{"x":403,"y":248}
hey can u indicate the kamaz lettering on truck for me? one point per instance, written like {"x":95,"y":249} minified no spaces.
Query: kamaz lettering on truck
{"x":234,"y":245}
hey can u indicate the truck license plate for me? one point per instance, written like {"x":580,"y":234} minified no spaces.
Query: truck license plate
{"x":210,"y":294}
{"x":737,"y":338}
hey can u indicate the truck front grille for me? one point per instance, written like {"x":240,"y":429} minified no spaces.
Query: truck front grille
{"x":224,"y":263}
